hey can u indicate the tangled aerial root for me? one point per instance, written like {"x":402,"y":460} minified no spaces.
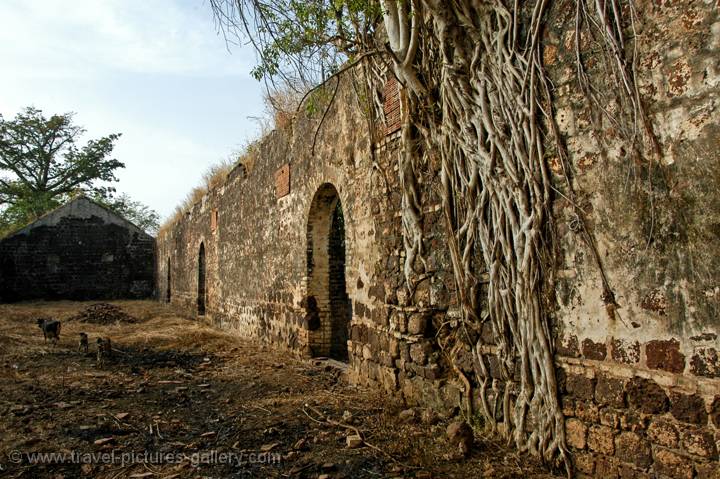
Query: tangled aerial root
{"x":475,"y":98}
{"x":479,"y":104}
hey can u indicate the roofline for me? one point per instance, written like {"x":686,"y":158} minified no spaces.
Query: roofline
{"x":59,"y":207}
{"x":112,"y":213}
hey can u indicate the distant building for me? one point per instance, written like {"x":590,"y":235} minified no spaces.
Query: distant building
{"x":78,"y":251}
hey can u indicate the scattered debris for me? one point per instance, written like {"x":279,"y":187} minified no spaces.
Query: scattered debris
{"x":103,"y":313}
{"x":353,"y":441}
{"x":429,"y":417}
{"x":408,"y":415}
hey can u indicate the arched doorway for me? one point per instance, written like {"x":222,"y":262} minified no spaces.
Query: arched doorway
{"x":326,"y":274}
{"x":201,"y":281}
{"x":167,"y":292}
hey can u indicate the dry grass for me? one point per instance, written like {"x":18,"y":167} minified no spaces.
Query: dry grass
{"x":213,"y":177}
{"x":248,"y":154}
{"x":281,"y":104}
{"x":217,"y":174}
{"x":184,"y":387}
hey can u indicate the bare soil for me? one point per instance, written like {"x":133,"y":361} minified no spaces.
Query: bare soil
{"x":179,"y":388}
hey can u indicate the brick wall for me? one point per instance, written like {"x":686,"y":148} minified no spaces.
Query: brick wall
{"x":391,"y":105}
{"x":640,"y":388}
{"x":282,"y":181}
{"x":643,"y":380}
{"x":78,"y":252}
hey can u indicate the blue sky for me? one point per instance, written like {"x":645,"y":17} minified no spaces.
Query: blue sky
{"x":154,"y":70}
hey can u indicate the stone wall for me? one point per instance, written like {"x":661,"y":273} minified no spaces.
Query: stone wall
{"x":79,"y":251}
{"x":257,"y":256}
{"x":639,"y":383}
{"x":643,"y":380}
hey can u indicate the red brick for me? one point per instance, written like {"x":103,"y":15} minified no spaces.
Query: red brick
{"x":391,"y":106}
{"x":665,"y":355}
{"x":569,"y":347}
{"x":656,"y":301}
{"x":282,"y":181}
{"x":593,"y":350}
{"x":705,"y":363}
{"x":625,"y":353}
{"x":214,"y":220}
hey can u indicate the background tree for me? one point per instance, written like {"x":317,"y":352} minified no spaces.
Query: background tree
{"x":134,"y":211}
{"x":42,"y":164}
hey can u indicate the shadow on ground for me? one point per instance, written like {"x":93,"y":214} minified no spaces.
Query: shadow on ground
{"x":181,"y":399}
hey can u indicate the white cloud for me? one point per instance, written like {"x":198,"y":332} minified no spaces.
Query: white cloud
{"x":161,"y":167}
{"x":154,"y":70}
{"x":80,"y":37}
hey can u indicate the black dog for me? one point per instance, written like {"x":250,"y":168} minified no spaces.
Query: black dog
{"x":50,"y":329}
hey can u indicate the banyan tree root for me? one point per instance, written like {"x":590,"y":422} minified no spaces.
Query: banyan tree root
{"x":475,"y":94}
{"x":496,"y":194}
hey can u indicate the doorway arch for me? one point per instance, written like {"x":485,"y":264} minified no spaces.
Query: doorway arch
{"x":326,"y":274}
{"x":202,"y":287}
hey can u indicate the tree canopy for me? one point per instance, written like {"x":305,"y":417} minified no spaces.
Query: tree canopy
{"x":43,"y":163}
{"x":300,"y":42}
{"x":134,"y":211}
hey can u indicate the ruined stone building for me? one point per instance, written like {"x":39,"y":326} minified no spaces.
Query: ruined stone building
{"x":78,"y":251}
{"x":639,"y":379}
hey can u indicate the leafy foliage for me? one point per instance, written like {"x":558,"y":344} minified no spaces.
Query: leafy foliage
{"x":43,"y":164}
{"x":43,"y":159}
{"x":134,"y":211}
{"x":299,"y":42}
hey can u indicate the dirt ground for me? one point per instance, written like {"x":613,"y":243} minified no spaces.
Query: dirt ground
{"x":181,"y":399}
